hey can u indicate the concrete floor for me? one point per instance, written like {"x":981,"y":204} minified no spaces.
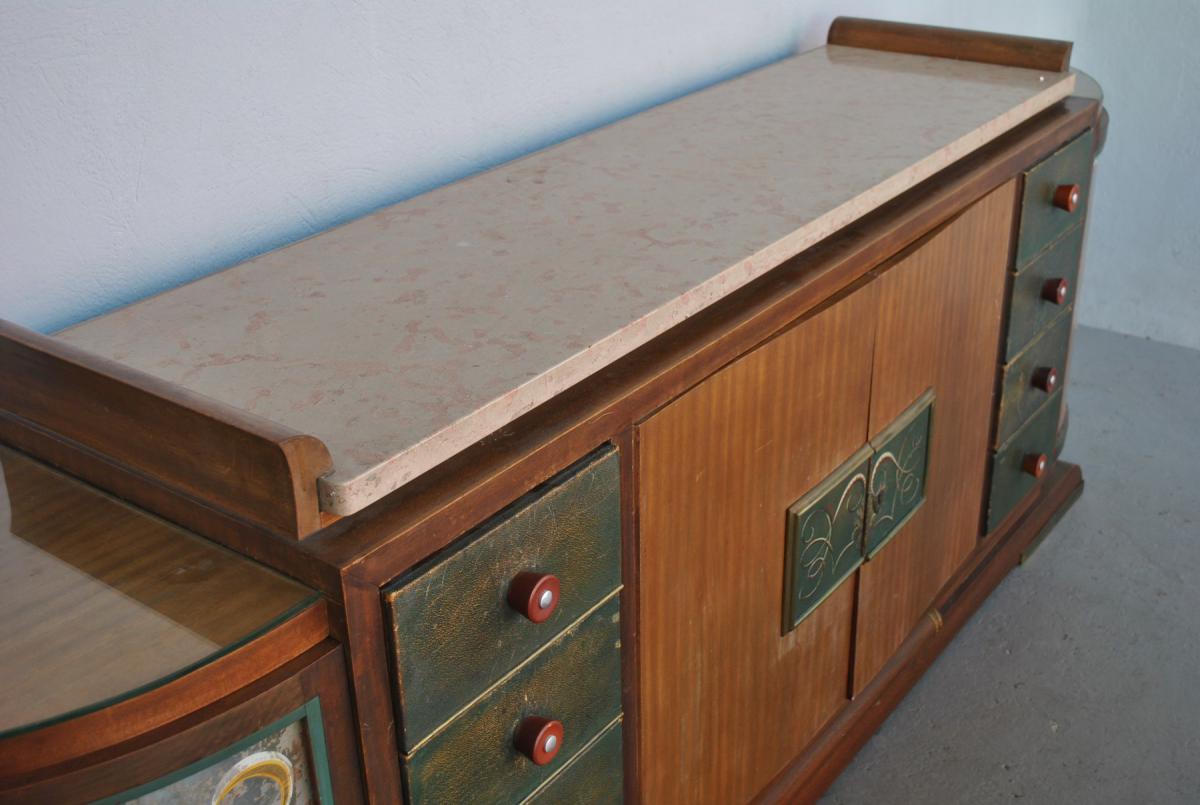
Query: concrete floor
{"x":1078,"y":681}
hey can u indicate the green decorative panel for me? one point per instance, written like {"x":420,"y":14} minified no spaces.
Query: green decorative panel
{"x":593,"y":777}
{"x":1019,"y":396}
{"x":576,"y":679}
{"x":454,"y":634}
{"x":824,"y":537}
{"x":1010,"y":482}
{"x":1041,"y":222}
{"x":1029,"y":311}
{"x":897,"y":478}
{"x":283,"y":764}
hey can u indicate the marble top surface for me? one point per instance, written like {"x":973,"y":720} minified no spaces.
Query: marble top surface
{"x":401,"y":338}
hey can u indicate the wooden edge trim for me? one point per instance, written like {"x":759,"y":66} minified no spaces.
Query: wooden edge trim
{"x":833,"y":749}
{"x":952,"y":43}
{"x":26,"y":756}
{"x":318,"y":673}
{"x":392,"y":534}
{"x":371,"y":678}
{"x":241,"y":463}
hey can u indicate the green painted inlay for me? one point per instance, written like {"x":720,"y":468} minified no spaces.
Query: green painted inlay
{"x":824,"y":537}
{"x":897,"y":478}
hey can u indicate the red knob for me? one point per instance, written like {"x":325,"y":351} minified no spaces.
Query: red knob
{"x":1055,"y":291}
{"x":1035,"y":464}
{"x":539,"y":739}
{"x":1046,"y":379}
{"x":534,"y":595}
{"x":1066,"y":197}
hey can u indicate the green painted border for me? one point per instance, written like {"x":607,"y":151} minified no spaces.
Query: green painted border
{"x":310,"y":711}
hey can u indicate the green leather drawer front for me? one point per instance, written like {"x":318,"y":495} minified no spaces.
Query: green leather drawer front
{"x":453,"y":631}
{"x":897,"y":479}
{"x":1042,"y":222}
{"x":1011,"y":480}
{"x":824,"y":537}
{"x":576,"y":679}
{"x":1029,"y":309}
{"x":593,"y":777}
{"x":1023,"y":389}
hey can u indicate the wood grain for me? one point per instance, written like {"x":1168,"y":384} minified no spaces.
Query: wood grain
{"x":231,"y":459}
{"x":727,"y":700}
{"x":940,"y":309}
{"x":952,"y":43}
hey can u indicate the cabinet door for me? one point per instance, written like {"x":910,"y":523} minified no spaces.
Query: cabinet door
{"x":728,"y":698}
{"x":938,"y":327}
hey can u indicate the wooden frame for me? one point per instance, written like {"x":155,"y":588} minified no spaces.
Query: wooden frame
{"x":952,"y":43}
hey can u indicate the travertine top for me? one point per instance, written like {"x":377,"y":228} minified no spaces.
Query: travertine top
{"x":401,"y":338}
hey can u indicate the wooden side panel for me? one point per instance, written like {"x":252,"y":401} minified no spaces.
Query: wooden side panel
{"x":940,"y":309}
{"x":240,"y":463}
{"x":727,"y":699}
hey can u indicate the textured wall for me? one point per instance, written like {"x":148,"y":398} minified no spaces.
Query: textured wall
{"x":143,"y":144}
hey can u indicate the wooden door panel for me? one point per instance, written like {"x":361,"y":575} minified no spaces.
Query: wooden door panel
{"x":727,"y":699}
{"x":938,"y":327}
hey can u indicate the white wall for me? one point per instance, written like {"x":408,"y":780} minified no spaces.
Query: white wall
{"x":144,"y":143}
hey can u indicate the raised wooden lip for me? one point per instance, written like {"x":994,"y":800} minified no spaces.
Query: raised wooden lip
{"x":952,"y":43}
{"x":251,"y":467}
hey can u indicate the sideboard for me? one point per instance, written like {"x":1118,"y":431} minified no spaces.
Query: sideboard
{"x":655,"y":466}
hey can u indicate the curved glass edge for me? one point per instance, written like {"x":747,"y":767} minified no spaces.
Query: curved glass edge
{"x":179,"y":673}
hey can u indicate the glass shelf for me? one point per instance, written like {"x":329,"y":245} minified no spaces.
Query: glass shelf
{"x":101,"y":601}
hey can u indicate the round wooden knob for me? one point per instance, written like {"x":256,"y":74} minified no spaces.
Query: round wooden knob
{"x":534,"y":595}
{"x":1045,"y":378}
{"x":1066,"y":197}
{"x":1035,"y":464}
{"x":1055,"y":291}
{"x":539,"y":739}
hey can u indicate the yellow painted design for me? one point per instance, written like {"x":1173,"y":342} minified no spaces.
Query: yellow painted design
{"x":268,"y":765}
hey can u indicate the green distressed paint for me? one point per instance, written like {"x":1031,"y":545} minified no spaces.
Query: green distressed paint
{"x":576,"y":679}
{"x":1019,"y":398}
{"x":453,"y":632}
{"x":824,"y":537}
{"x":595,"y":776}
{"x":1029,"y":313}
{"x":897,"y":479}
{"x":1041,"y":222}
{"x":309,"y":714}
{"x":1009,"y":482}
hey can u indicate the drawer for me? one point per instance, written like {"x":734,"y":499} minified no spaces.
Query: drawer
{"x":1042,"y":290}
{"x":1043,"y":215}
{"x":593,"y":777}
{"x":575,"y":680}
{"x":1015,"y":467}
{"x":1030,"y":378}
{"x":454,"y":631}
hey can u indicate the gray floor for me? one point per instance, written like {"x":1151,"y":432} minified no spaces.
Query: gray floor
{"x":1078,"y":681}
